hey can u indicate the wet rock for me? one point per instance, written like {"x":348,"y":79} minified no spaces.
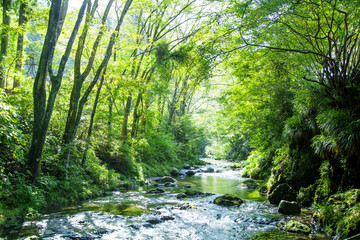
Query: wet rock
{"x":228,"y":200}
{"x":294,"y":226}
{"x":190,"y":173}
{"x":249,"y":184}
{"x":168,"y":179}
{"x":192,"y":193}
{"x":187,"y":205}
{"x":167,"y":218}
{"x":208,"y":170}
{"x":159,"y":185}
{"x":289,"y":208}
{"x":156,"y":191}
{"x":184,"y":206}
{"x":256,"y":220}
{"x":168,"y":184}
{"x":181,"y":196}
{"x":186,"y":166}
{"x":154,"y":221}
{"x":282,"y":192}
{"x":136,"y":227}
{"x":174,"y":172}
{"x":85,"y":237}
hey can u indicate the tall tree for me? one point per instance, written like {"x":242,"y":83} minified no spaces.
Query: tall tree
{"x":78,"y":101}
{"x":20,"y":41}
{"x":43,"y":106}
{"x":6,"y":5}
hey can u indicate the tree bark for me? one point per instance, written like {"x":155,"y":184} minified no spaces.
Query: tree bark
{"x":43,"y":107}
{"x":136,"y":116}
{"x":124,"y":131}
{"x":88,"y":138}
{"x":76,"y":113}
{"x":20,"y":43}
{"x":6,"y":4}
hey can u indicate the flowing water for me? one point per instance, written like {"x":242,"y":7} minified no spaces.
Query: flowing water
{"x":136,"y":214}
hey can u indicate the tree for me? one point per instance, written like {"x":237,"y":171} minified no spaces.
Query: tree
{"x":20,"y":41}
{"x":43,"y":106}
{"x":77,"y":103}
{"x":6,"y":4}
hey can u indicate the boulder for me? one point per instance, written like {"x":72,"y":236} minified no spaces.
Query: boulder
{"x":156,"y":191}
{"x":190,"y":173}
{"x":168,"y":179}
{"x":192,"y":193}
{"x":154,"y":221}
{"x":167,"y":218}
{"x":172,"y":185}
{"x":282,"y":192}
{"x":208,"y":170}
{"x":174,"y":172}
{"x":289,"y":208}
{"x":294,"y":226}
{"x":228,"y":200}
{"x":186,"y":166}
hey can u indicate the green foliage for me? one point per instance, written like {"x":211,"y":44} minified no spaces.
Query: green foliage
{"x":341,"y":213}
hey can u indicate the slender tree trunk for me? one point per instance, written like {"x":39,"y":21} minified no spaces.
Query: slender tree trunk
{"x":172,"y":105}
{"x":182,"y":109}
{"x":20,"y":43}
{"x":88,"y":138}
{"x":6,"y":4}
{"x":136,"y":116}
{"x":110,"y":119}
{"x":124,"y":131}
{"x":43,"y":108}
{"x":74,"y":120}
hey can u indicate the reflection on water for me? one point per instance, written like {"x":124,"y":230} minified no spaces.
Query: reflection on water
{"x":137,"y":215}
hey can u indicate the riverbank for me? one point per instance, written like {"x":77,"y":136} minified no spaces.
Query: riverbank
{"x":139,"y":214}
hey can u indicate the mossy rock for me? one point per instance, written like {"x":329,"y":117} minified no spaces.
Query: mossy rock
{"x":228,"y":200}
{"x":168,"y":179}
{"x":282,"y":192}
{"x":289,"y":208}
{"x":294,"y":226}
{"x":192,"y":193}
{"x":186,"y":205}
{"x":156,"y":191}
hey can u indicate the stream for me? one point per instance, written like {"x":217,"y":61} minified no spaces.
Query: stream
{"x":136,"y":214}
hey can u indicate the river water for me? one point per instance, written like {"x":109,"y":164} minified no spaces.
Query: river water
{"x":136,"y":214}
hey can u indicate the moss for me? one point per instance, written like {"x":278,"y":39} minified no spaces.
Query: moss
{"x":228,"y":200}
{"x":340,"y":214}
{"x":306,"y":195}
{"x":192,"y":193}
{"x":294,"y":226}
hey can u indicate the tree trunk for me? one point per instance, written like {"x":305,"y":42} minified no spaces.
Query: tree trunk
{"x":124,"y":131}
{"x":43,"y":108}
{"x":6,"y":4}
{"x":110,"y":119}
{"x":92,"y":119}
{"x":136,"y":117}
{"x":20,"y":43}
{"x":76,"y":113}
